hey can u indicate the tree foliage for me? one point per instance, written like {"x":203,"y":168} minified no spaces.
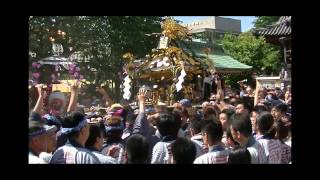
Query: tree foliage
{"x":253,"y":51}
{"x":101,"y":40}
{"x":264,"y":21}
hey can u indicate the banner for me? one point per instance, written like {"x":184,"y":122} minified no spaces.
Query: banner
{"x":268,"y":82}
{"x":163,"y":43}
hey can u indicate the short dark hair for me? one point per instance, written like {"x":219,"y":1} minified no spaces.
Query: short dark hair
{"x":114,"y":135}
{"x":131,"y":118}
{"x":246,"y":104}
{"x":281,"y":129}
{"x":228,"y":112}
{"x":103,"y":129}
{"x":239,"y":156}
{"x":229,"y":135}
{"x":95,"y":131}
{"x":233,"y":101}
{"x":268,"y":105}
{"x":265,"y":124}
{"x":209,"y":110}
{"x":61,"y":139}
{"x":196,"y":125}
{"x":242,"y":123}
{"x":72,"y":120}
{"x":259,"y":108}
{"x":35,"y":126}
{"x":214,"y":130}
{"x":281,"y":107}
{"x":168,"y":124}
{"x":184,"y":151}
{"x":137,"y":148}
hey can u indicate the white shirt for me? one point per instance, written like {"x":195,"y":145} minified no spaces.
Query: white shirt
{"x":45,"y":157}
{"x":69,"y":154}
{"x":197,"y":140}
{"x":105,"y":159}
{"x":33,"y":159}
{"x":160,"y":153}
{"x":214,"y":157}
{"x":257,"y":152}
{"x":119,"y":155}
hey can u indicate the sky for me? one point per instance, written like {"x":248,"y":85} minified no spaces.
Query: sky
{"x":246,"y":21}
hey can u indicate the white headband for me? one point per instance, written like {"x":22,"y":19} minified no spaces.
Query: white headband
{"x":81,"y":124}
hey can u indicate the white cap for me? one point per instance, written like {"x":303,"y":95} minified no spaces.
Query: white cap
{"x":58,"y":95}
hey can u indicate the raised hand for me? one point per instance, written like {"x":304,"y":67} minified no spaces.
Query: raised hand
{"x":41,"y":90}
{"x":75,"y":87}
{"x":142,"y":94}
{"x":141,"y":98}
{"x":74,"y":96}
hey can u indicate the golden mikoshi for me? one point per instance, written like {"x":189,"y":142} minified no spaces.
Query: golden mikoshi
{"x":173,"y":30}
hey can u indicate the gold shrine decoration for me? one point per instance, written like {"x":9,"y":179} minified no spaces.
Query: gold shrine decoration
{"x":173,"y":49}
{"x":167,"y":61}
{"x":173,"y":53}
{"x":128,"y":56}
{"x":130,"y":67}
{"x":173,"y":30}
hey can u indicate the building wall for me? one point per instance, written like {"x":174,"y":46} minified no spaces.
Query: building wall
{"x":218,"y":23}
{"x":206,"y":23}
{"x":228,"y":24}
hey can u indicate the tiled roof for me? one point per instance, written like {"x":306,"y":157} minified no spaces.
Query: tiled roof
{"x":281,"y":28}
{"x":221,"y":61}
{"x":226,"y":63}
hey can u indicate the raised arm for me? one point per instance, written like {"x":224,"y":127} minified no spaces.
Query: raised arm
{"x":256,"y":94}
{"x":220,"y":95}
{"x":141,"y":124}
{"x":141,"y":99}
{"x":38,"y":108}
{"x":73,"y":97}
{"x":220,"y":92}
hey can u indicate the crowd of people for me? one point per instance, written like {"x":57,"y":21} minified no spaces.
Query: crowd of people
{"x":245,"y":127}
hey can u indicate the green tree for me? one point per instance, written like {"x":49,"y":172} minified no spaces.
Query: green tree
{"x":102,"y":40}
{"x":264,"y":21}
{"x":253,"y":51}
